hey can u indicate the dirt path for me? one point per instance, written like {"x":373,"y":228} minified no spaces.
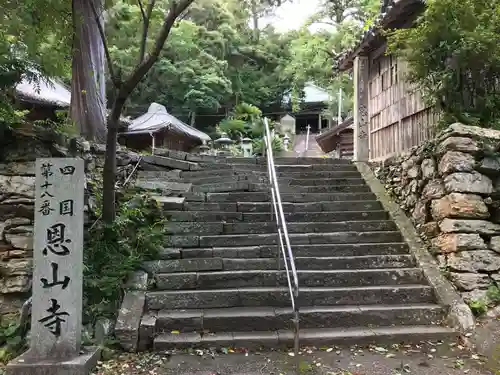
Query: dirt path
{"x":425,"y":359}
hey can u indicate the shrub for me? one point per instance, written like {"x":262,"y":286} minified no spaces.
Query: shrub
{"x":453,"y":57}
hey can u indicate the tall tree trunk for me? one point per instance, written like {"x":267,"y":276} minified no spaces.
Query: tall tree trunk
{"x":88,"y":98}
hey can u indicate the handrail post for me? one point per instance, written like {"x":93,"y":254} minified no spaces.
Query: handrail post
{"x":307,"y":136}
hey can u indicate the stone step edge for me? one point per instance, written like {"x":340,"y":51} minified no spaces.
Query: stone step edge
{"x":259,"y":311}
{"x":269,"y":212}
{"x":337,"y":336}
{"x":172,"y":252}
{"x":305,"y":272}
{"x":286,"y":290}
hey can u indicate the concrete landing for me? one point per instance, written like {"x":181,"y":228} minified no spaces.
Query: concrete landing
{"x":428,"y":359}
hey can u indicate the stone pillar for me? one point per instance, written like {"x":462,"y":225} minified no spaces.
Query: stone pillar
{"x":361,"y":136}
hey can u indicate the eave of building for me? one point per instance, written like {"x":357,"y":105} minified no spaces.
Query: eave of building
{"x":399,"y":14}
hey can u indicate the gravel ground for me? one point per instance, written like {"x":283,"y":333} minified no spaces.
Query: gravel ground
{"x":429,"y":358}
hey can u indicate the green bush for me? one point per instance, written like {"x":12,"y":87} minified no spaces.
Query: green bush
{"x":112,"y":252}
{"x":454,"y":58}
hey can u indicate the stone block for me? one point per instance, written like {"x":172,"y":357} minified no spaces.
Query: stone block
{"x":470,"y":281}
{"x":462,"y":144}
{"x":138,"y":280}
{"x":474,"y":261}
{"x":495,"y":244}
{"x":469,"y":226}
{"x":428,"y":168}
{"x":170,"y":162}
{"x":489,"y":166}
{"x":82,"y":364}
{"x":129,"y":319}
{"x":147,"y":332}
{"x":454,"y":161}
{"x":170,"y":203}
{"x":453,"y":242}
{"x":474,"y":182}
{"x":458,"y":205}
{"x":434,"y":189}
{"x":183,"y":265}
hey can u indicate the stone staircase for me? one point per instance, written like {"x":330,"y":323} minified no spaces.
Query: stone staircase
{"x":218,"y":281}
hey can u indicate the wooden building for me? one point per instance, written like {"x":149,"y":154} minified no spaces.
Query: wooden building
{"x":338,"y":140}
{"x":43,"y":98}
{"x":389,"y":116}
{"x":159,"y":129}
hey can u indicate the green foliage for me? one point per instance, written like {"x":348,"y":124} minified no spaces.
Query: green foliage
{"x":454,"y":59}
{"x":113,"y":252}
{"x":478,"y":307}
{"x":11,"y":341}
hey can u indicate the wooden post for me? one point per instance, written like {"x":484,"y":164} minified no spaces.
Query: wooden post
{"x":361,"y":129}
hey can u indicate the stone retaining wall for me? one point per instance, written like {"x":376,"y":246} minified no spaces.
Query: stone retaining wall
{"x":17,"y":198}
{"x":450,"y":187}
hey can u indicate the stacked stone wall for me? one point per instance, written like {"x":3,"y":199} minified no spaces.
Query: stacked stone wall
{"x":450,"y":187}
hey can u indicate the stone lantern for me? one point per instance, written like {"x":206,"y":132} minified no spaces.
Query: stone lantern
{"x":247,"y":147}
{"x":286,"y":141}
{"x":223,"y":142}
{"x":204,"y":148}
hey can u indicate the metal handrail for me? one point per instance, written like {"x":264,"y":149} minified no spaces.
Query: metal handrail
{"x":283,"y":237}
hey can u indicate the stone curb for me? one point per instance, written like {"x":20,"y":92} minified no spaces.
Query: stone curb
{"x":460,"y":316}
{"x":131,"y":311}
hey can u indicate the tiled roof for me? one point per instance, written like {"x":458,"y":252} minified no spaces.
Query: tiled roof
{"x":157,"y":118}
{"x":392,"y":14}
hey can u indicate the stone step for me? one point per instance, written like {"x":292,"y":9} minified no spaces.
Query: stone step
{"x":320,"y":181}
{"x":279,"y":297}
{"x":287,"y":189}
{"x":368,"y":205}
{"x":295,"y":168}
{"x":168,"y":162}
{"x":273,"y":319}
{"x":234,"y":277}
{"x":309,"y":160}
{"x":223,"y":187}
{"x":308,"y":337}
{"x":254,"y":217}
{"x":287,"y":197}
{"x":230,"y":259}
{"x":362,"y":252}
{"x":211,"y":228}
{"x":241,"y":240}
{"x":318,"y":174}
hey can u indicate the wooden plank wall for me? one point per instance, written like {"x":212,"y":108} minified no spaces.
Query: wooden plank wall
{"x":399,"y":118}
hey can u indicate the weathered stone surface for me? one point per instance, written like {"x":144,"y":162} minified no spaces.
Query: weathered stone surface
{"x":468,"y":183}
{"x":469,"y":226}
{"x":10,"y":223}
{"x":419,"y":214}
{"x":171,"y":163}
{"x":434,"y":189}
{"x":18,"y":185}
{"x":454,"y":161}
{"x":477,"y":295}
{"x":453,"y":242}
{"x":474,"y":261}
{"x":475,"y":132}
{"x":413,"y":172}
{"x":138,"y":280}
{"x":461,"y":144}
{"x":428,"y":169}
{"x":430,"y":229}
{"x":129,"y":319}
{"x":489,"y":166}
{"x":458,"y":205}
{"x":18,"y":169}
{"x":470,"y":281}
{"x":495,"y":244}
